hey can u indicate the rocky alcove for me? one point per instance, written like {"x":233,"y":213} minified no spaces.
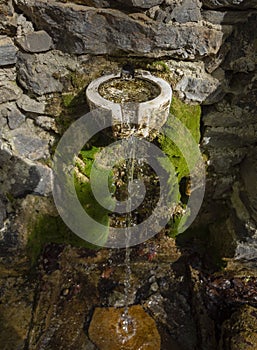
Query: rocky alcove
{"x":200,"y":286}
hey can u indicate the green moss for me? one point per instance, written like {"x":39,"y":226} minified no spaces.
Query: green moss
{"x":189,"y":115}
{"x":67,"y":99}
{"x":85,"y":194}
{"x":51,"y":229}
{"x":78,"y":80}
{"x":159,"y":66}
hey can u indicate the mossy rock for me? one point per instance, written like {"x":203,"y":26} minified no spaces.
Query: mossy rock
{"x":51,"y":229}
{"x":189,"y":116}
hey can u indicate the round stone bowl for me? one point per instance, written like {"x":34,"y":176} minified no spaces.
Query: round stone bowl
{"x":148,"y":115}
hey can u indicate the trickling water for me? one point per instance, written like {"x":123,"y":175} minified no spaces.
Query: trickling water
{"x":130,"y":163}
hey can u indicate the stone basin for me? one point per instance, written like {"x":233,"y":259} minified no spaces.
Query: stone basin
{"x":148,"y":108}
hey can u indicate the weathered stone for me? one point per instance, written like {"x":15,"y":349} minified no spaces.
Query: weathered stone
{"x":109,"y":31}
{"x":14,"y":116}
{"x":16,"y":302}
{"x":7,"y":51}
{"x":36,"y":42}
{"x":108,"y":323}
{"x":235,"y":4}
{"x":193,"y":83}
{"x":27,"y":104}
{"x":144,"y":4}
{"x":239,"y":332}
{"x":24,"y":26}
{"x":7,"y":19}
{"x":9,"y":91}
{"x":8,"y":74}
{"x":30,"y":178}
{"x":29,"y":141}
{"x":187,"y":11}
{"x":225,"y":17}
{"x":42,"y":73}
{"x":32,"y":148}
{"x":47,"y":123}
{"x":197,"y":89}
{"x":125,"y":4}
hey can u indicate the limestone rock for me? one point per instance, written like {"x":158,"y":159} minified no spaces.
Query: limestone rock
{"x":9,"y":91}
{"x":42,"y":73}
{"x":193,"y":83}
{"x":24,"y":26}
{"x":7,"y":19}
{"x":187,"y":11}
{"x":33,"y":178}
{"x":13,"y":114}
{"x":7,"y":74}
{"x":28,"y":141}
{"x":144,"y":4}
{"x":237,"y":4}
{"x":7,"y":51}
{"x":128,"y":4}
{"x":108,"y":31}
{"x":106,"y":331}
{"x":35,"y":42}
{"x":225,"y":17}
{"x":28,"y":104}
{"x":46,"y":123}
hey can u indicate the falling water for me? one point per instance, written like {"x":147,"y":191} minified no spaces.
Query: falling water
{"x":127,"y":324}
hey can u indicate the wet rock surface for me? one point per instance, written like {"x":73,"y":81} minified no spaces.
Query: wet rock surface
{"x":106,"y":329}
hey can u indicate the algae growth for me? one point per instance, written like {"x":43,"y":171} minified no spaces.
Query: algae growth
{"x":189,"y":116}
{"x":52,"y":229}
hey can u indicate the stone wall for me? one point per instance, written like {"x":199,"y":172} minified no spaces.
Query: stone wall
{"x":51,"y":50}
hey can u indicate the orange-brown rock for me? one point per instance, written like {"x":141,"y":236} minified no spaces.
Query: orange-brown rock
{"x":106,"y":332}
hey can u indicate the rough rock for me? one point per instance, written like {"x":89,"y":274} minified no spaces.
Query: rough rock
{"x":8,"y":74}
{"x":20,"y":177}
{"x":226,"y":17}
{"x":32,"y":178}
{"x":24,"y":26}
{"x":109,"y":31}
{"x":233,"y":4}
{"x":9,"y":91}
{"x":239,"y":332}
{"x":46,"y":123}
{"x":144,"y":4}
{"x":42,"y":73}
{"x":35,"y":42}
{"x":186,"y":11}
{"x":7,"y":51}
{"x":13,"y":114}
{"x":107,"y":322}
{"x":28,"y":104}
{"x":192,"y":82}
{"x":124,"y":4}
{"x":7,"y":19}
{"x":29,"y":142}
{"x":16,"y":303}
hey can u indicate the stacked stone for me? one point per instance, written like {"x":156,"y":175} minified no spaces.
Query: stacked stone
{"x":209,"y":48}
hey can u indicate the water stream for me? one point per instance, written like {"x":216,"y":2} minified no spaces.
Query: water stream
{"x":127,"y":324}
